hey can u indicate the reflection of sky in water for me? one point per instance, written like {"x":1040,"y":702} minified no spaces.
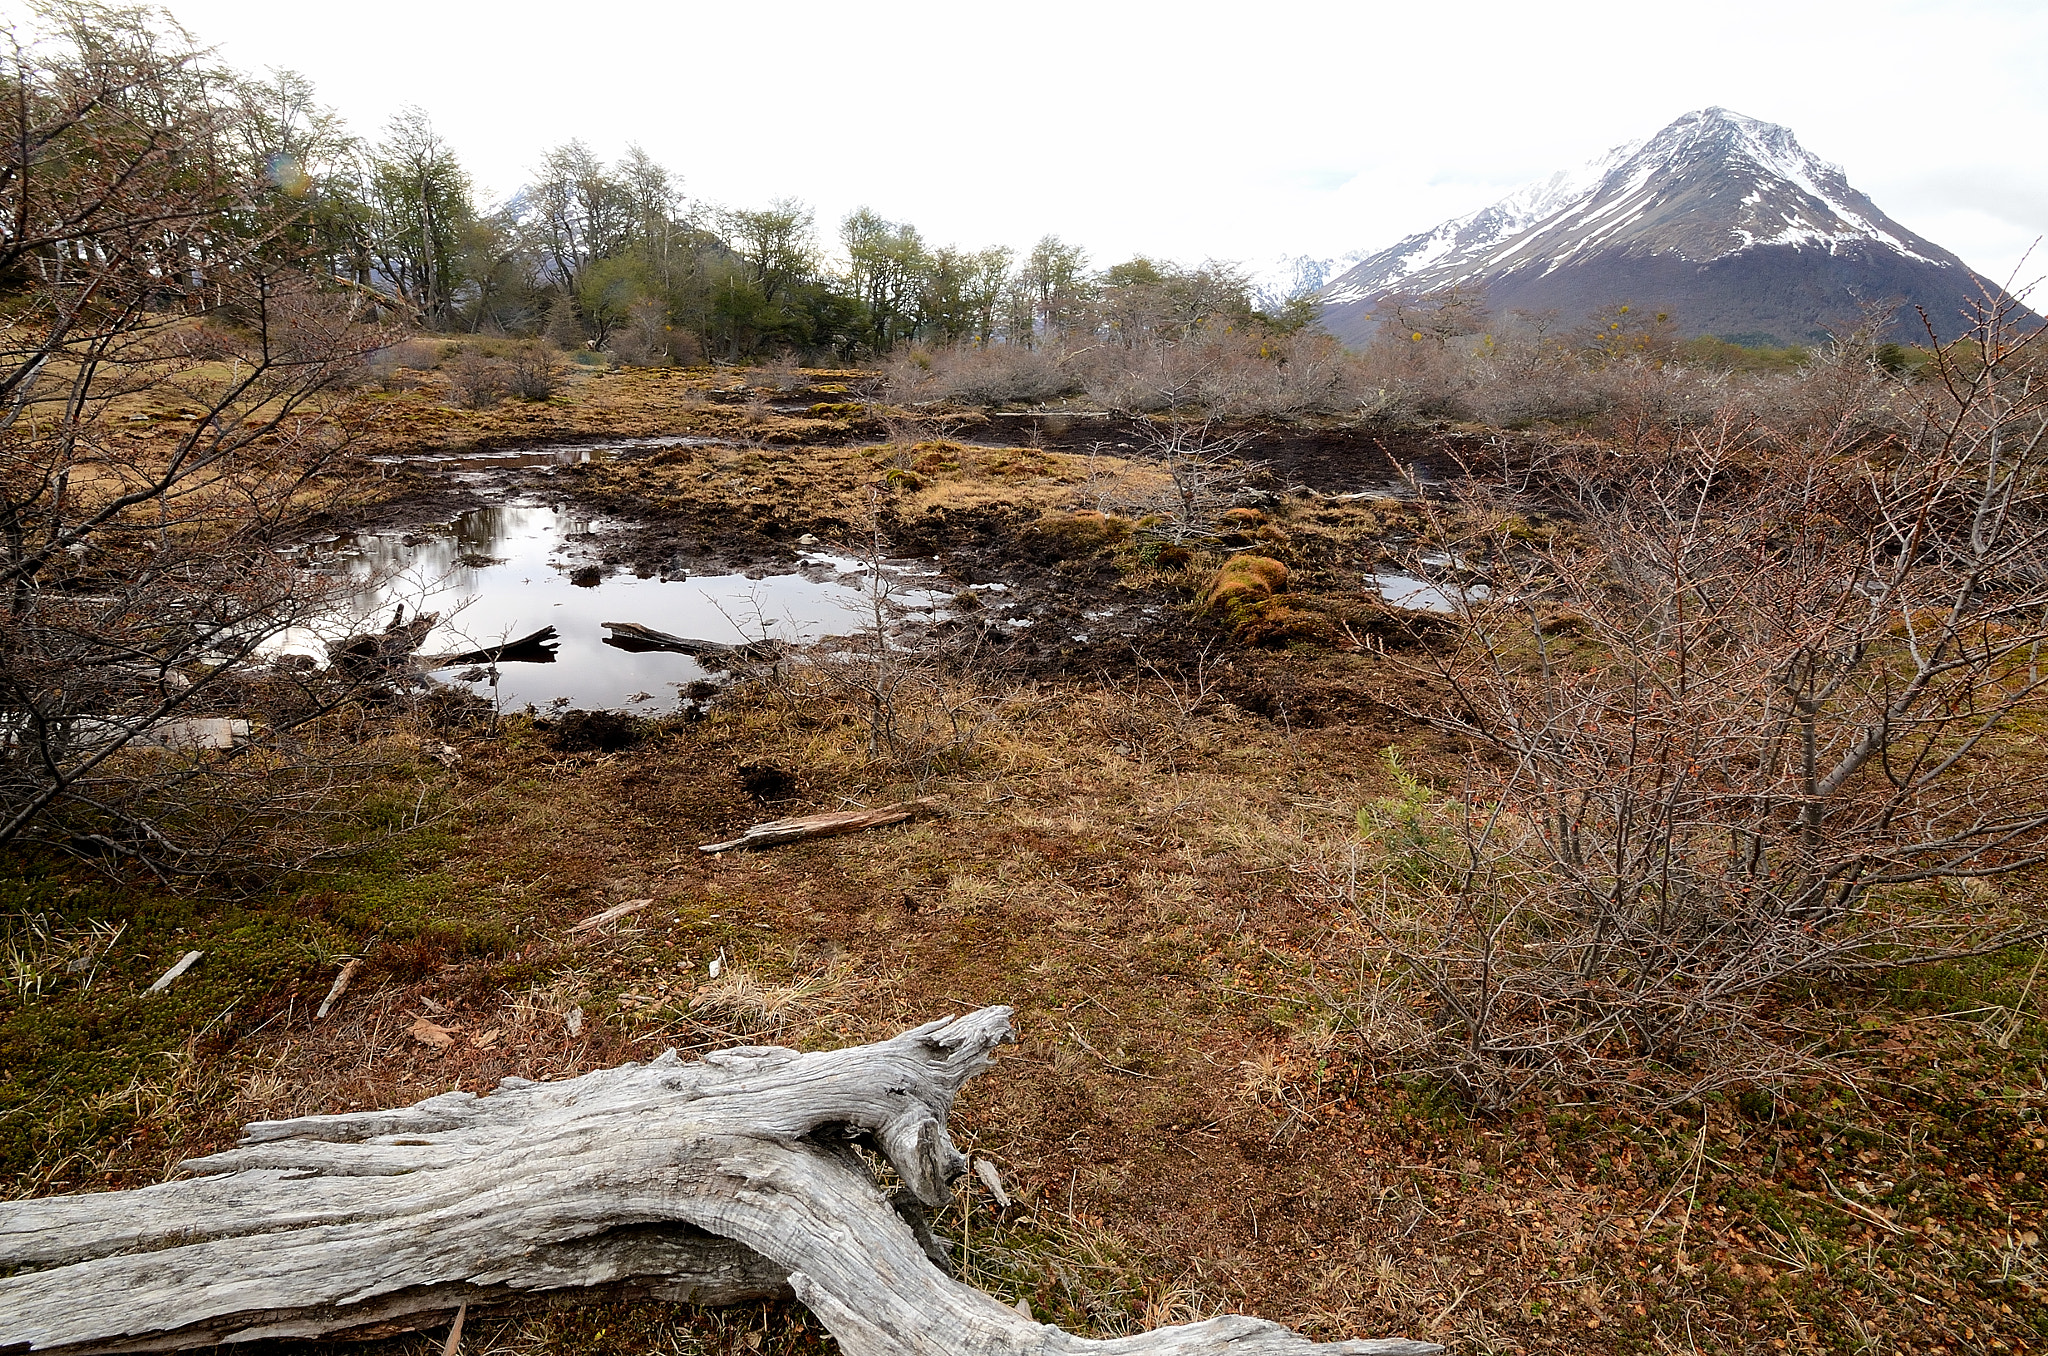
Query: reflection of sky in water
{"x":527,"y":587}
{"x":1405,"y":590}
{"x":476,"y":463}
{"x":1420,"y":595}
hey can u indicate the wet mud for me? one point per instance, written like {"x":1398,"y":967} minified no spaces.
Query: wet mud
{"x":1029,"y":598}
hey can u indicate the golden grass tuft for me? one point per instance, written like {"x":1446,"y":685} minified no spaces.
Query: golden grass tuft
{"x":1246,"y":579}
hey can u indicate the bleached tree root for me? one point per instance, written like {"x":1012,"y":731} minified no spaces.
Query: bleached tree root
{"x":733,"y":1177}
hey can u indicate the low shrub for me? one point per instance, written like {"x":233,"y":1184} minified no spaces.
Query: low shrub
{"x":396,"y":367}
{"x":476,"y":381}
{"x":535,"y":371}
{"x":992,"y":374}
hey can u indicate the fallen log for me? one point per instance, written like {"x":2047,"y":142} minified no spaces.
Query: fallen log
{"x":538,"y":648}
{"x":390,"y":648}
{"x":777,"y":831}
{"x":732,"y":1177}
{"x":634,"y":637}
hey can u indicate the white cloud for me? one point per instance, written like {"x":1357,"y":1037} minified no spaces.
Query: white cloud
{"x":1187,"y":130}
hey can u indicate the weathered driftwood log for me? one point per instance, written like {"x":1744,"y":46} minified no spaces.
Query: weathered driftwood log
{"x":732,"y":1177}
{"x":633,"y":636}
{"x":826,"y":825}
{"x":538,"y":648}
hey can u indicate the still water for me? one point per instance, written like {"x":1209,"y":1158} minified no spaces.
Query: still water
{"x":502,"y":572}
{"x":483,"y":463}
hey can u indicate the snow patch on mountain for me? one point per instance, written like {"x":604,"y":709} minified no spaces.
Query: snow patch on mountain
{"x":1295,"y":277}
{"x":1724,"y":214}
{"x":1657,"y":196}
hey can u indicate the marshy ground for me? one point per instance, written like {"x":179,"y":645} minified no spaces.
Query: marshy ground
{"x":1150,"y":831}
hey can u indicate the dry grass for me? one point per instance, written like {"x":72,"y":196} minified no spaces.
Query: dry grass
{"x":1206,"y":1111}
{"x":1187,"y":1125}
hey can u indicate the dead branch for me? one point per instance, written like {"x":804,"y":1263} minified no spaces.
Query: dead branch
{"x":778,"y":831}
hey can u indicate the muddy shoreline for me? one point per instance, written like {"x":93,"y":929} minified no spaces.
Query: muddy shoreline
{"x":1033,"y":597}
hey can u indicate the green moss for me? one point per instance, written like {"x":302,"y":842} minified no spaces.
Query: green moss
{"x":91,"y":1054}
{"x":95,"y":1061}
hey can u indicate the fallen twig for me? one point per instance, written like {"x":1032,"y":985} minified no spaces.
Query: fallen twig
{"x":191,"y":959}
{"x":616,"y":911}
{"x":348,"y":972}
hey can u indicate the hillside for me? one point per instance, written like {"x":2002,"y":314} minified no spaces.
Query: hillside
{"x":1722,"y":220}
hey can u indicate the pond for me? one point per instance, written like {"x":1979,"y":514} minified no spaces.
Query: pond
{"x":504,"y":571}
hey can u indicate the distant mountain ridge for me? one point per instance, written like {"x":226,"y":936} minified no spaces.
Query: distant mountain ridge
{"x":1724,"y":220}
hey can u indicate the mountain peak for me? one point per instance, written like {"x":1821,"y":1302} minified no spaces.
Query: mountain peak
{"x":1723,"y":218}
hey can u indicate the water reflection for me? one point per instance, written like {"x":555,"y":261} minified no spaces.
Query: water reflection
{"x":1422,"y":595}
{"x":1418,"y":595}
{"x":505,"y":571}
{"x":492,"y":460}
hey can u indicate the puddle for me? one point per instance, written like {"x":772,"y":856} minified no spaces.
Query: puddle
{"x":505,"y":571}
{"x":1420,"y":595}
{"x":530,"y":458}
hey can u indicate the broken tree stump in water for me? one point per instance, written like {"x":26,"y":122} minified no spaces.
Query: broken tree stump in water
{"x":737,"y":1176}
{"x":537,"y":648}
{"x":633,"y":637}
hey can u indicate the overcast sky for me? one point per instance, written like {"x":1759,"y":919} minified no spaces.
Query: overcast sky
{"x":1189,"y":130}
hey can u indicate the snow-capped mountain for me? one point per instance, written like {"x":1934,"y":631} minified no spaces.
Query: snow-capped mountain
{"x":1290,"y":277}
{"x":1723,"y":221}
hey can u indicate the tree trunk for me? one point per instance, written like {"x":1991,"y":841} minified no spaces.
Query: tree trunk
{"x":733,"y":1177}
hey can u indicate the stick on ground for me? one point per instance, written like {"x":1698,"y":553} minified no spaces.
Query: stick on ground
{"x":778,"y":831}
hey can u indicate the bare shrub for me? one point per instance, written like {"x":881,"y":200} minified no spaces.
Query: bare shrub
{"x":477,"y":381}
{"x":983,"y":374}
{"x":1525,"y":373}
{"x":535,"y":371}
{"x":922,"y":701}
{"x":1221,"y":370}
{"x":1151,"y":713}
{"x":396,"y":367}
{"x":1750,"y":717}
{"x":1642,"y":402}
{"x":166,"y":426}
{"x":648,"y":339}
{"x":1206,"y":476}
{"x":1841,"y":387}
{"x":1416,"y":379}
{"x":781,"y":377}
{"x":1286,"y":376}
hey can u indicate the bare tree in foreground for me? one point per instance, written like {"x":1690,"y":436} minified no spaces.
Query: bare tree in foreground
{"x":1762,"y":709}
{"x":168,"y":397}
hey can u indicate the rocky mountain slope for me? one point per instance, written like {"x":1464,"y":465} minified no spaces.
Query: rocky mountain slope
{"x":1724,"y":221}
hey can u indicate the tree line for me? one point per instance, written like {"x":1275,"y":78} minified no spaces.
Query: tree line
{"x":618,"y":257}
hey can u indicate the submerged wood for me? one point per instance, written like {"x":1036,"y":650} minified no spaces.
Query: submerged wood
{"x":732,"y":1177}
{"x":390,"y":648}
{"x":826,"y":825}
{"x":635,"y":637}
{"x":538,"y":648}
